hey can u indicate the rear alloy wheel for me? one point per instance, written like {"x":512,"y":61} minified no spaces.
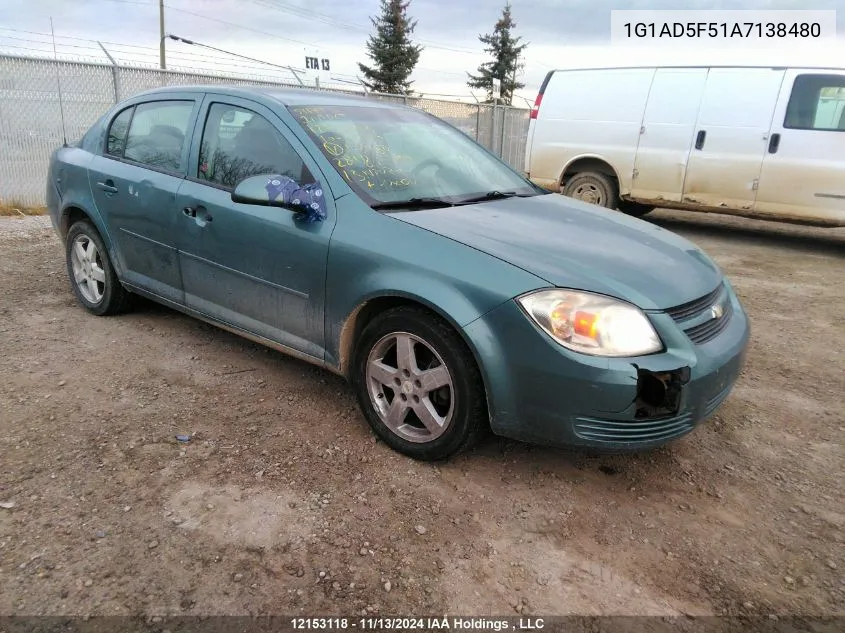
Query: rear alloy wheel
{"x":593,"y":187}
{"x":418,"y":385}
{"x":92,"y":276}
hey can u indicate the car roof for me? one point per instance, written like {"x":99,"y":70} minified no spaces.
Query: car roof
{"x":285,"y":96}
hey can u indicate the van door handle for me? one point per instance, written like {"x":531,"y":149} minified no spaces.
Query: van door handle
{"x":699,"y":139}
{"x":774,"y":143}
{"x":107,"y":186}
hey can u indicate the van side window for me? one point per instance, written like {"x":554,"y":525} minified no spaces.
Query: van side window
{"x":238,"y":143}
{"x":817,"y":103}
{"x":117,"y":133}
{"x":157,"y":134}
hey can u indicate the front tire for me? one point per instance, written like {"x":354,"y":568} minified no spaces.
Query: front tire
{"x":593,"y":187}
{"x":418,"y":385}
{"x":92,"y":276}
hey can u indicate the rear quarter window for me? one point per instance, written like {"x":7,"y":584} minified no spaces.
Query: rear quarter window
{"x":118,"y":129}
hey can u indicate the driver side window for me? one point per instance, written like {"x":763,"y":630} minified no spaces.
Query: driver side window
{"x":238,"y":143}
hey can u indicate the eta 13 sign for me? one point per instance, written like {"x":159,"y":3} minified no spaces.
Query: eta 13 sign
{"x":315,"y":63}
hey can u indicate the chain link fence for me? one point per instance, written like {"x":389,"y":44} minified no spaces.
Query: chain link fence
{"x":31,"y":116}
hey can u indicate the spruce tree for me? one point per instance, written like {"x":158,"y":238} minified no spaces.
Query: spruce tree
{"x":394,"y":55}
{"x":505,"y":50}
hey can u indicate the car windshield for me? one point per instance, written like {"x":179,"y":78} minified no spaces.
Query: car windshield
{"x":395,"y":157}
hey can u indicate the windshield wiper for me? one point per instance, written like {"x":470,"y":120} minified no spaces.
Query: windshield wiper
{"x":490,"y":195}
{"x":412,"y":203}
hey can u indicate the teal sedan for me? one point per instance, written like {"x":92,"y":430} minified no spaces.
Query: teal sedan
{"x":381,"y":243}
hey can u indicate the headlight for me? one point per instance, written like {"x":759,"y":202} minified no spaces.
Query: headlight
{"x":592,"y":324}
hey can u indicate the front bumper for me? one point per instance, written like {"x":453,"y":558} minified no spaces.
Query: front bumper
{"x":540,"y":392}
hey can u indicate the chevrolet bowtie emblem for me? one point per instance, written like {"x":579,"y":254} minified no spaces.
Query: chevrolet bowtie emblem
{"x":717,"y":311}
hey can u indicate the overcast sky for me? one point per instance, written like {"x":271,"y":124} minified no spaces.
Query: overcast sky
{"x":561,"y":34}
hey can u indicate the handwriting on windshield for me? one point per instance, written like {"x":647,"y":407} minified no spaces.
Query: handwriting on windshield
{"x":370,"y":163}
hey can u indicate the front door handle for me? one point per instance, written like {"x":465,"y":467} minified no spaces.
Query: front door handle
{"x":774,"y":143}
{"x":199,"y":213}
{"x":107,"y":186}
{"x":699,"y":139}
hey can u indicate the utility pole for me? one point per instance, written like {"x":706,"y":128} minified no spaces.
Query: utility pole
{"x":161,"y":33}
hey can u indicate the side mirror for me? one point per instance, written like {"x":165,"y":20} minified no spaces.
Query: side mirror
{"x":275,"y":190}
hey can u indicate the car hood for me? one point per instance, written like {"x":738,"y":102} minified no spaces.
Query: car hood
{"x":572,"y":244}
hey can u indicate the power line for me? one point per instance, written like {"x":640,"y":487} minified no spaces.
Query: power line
{"x":253,"y":59}
{"x":151,"y":50}
{"x":308,"y":14}
{"x":179,"y":62}
{"x":276,"y":5}
{"x":139,"y":51}
{"x":31,"y":41}
{"x":240,"y":26}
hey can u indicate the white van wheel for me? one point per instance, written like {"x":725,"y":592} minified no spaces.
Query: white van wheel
{"x":593,"y":187}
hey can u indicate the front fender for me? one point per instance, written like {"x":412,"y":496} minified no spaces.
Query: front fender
{"x":374,"y":256}
{"x":454,"y":305}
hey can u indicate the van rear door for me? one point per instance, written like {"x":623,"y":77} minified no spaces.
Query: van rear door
{"x":532,"y":121}
{"x":731,"y":137}
{"x":803,"y":175}
{"x":666,"y":134}
{"x":589,"y":114}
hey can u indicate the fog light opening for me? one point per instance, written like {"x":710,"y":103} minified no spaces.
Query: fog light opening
{"x":658,"y":394}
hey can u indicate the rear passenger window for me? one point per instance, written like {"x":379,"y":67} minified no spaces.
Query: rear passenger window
{"x":117,"y":133}
{"x":157,"y":134}
{"x":817,"y":103}
{"x":238,"y":143}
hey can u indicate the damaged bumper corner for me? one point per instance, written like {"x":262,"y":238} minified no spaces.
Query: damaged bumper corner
{"x":548,"y":395}
{"x":659,"y":393}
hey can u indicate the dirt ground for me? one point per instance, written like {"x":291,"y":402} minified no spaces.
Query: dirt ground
{"x":283,"y":503}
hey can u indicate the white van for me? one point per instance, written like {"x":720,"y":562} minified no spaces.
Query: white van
{"x":759,"y":142}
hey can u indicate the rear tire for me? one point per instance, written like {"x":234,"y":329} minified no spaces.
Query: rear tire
{"x":593,"y":187}
{"x":418,"y":385}
{"x":92,"y":276}
{"x":634,"y":209}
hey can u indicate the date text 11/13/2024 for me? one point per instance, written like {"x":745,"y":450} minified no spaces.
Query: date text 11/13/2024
{"x":418,"y":624}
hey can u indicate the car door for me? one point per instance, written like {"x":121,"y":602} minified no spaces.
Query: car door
{"x":730,"y":138}
{"x":254,"y":267}
{"x":134,"y":182}
{"x":667,"y":133}
{"x":803,"y":175}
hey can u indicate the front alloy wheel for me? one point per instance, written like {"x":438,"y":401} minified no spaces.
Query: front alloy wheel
{"x":418,"y":384}
{"x":410,"y":387}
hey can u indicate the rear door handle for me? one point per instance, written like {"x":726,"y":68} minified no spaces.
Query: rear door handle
{"x":190,"y":212}
{"x":699,"y":139}
{"x":774,"y":143}
{"x":107,"y":186}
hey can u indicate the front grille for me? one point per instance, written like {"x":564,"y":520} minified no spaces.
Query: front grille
{"x":708,"y":330}
{"x":692,"y":309}
{"x":622,"y":432}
